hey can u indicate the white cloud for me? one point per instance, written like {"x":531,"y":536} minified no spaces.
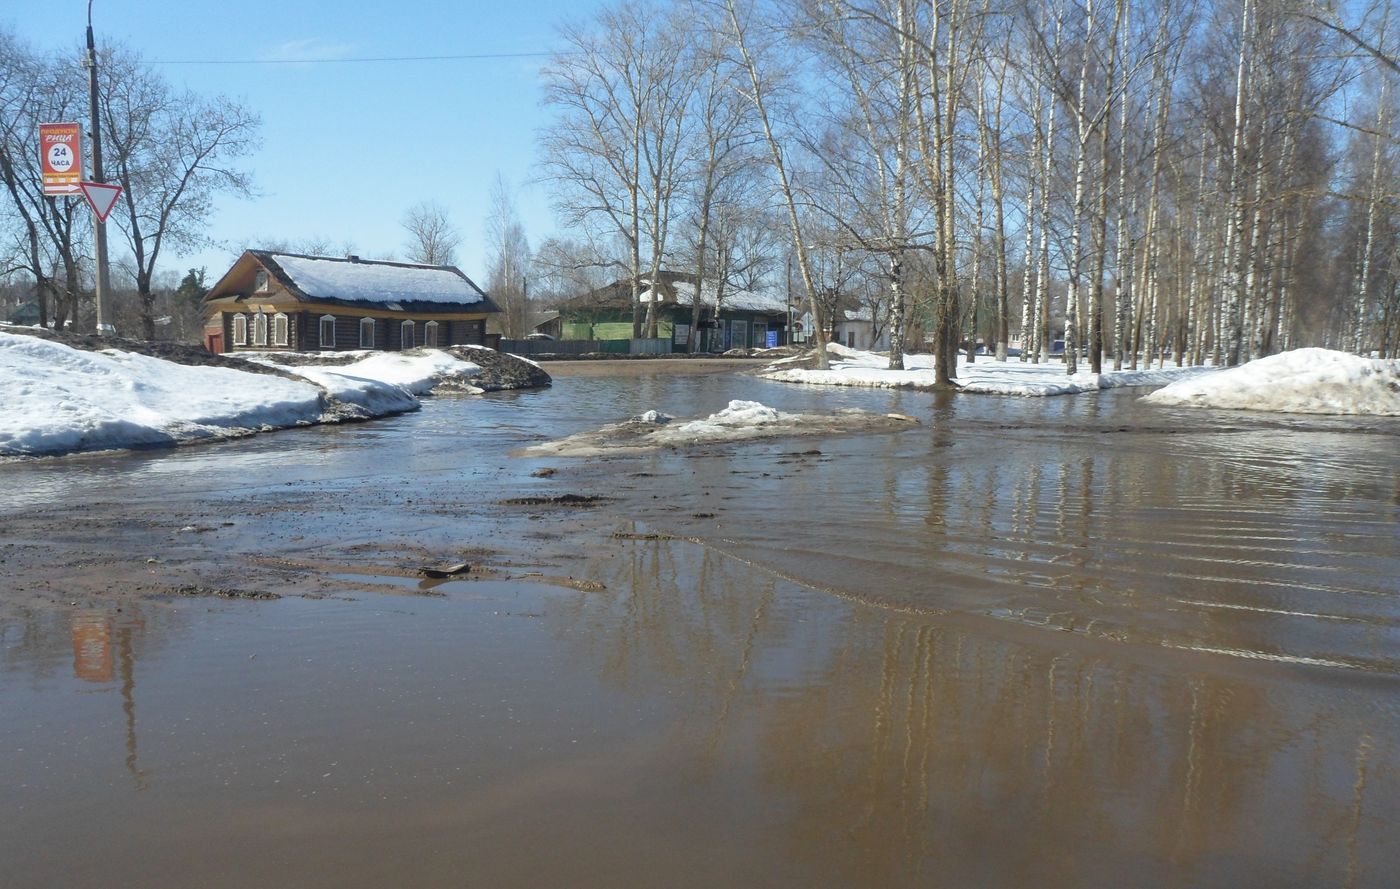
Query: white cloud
{"x":311,"y":49}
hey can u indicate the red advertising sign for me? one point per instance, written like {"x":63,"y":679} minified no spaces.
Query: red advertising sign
{"x":61,"y":157}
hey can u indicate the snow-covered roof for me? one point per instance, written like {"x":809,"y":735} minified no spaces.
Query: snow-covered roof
{"x":358,"y":280}
{"x":738,"y":300}
{"x":861,"y":314}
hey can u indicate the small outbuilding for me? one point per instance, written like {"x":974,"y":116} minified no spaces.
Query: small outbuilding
{"x":860,"y":329}
{"x":288,"y":301}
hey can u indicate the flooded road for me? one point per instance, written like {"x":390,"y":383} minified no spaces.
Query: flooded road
{"x":1034,"y":642}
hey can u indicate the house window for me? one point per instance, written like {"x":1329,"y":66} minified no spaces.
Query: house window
{"x":850,"y":339}
{"x":260,"y":329}
{"x":430,"y":334}
{"x":279,"y":329}
{"x":406,"y":335}
{"x":366,"y":333}
{"x":740,"y":334}
{"x":760,"y":334}
{"x":260,"y":281}
{"x":240,"y":330}
{"x":327,"y":331}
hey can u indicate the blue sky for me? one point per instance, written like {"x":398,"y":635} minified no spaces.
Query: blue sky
{"x":347,"y":146}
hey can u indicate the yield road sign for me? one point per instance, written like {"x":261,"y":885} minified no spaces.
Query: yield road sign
{"x":101,"y":197}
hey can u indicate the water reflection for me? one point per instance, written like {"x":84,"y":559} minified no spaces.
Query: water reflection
{"x":1062,"y":642}
{"x":105,"y":647}
{"x":901,"y":751}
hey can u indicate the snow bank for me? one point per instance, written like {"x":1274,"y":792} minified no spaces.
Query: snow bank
{"x":417,"y":372}
{"x":852,"y":367}
{"x":58,"y":399}
{"x":360,"y":398}
{"x":740,"y":421}
{"x":1304,"y":381}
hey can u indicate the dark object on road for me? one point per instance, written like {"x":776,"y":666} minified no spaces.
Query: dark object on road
{"x":445,"y":571}
{"x":578,"y":500}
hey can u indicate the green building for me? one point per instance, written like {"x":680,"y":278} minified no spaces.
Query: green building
{"x":746,"y":319}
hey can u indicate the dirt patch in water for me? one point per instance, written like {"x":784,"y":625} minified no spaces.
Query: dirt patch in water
{"x":575,"y":501}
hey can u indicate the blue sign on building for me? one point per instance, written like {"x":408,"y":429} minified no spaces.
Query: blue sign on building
{"x":772,"y":339}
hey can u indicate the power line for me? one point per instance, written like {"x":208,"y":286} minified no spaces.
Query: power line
{"x":451,"y":58}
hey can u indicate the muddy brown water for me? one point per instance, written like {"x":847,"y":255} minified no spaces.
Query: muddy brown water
{"x":1040,"y":642}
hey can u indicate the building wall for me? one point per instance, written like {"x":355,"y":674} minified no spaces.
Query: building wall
{"x":616,"y":324}
{"x":304,"y":332}
{"x":859,"y":335}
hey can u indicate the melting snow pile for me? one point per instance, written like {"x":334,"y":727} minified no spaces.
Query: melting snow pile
{"x":1304,"y":381}
{"x":59,"y":399}
{"x":418,"y":372}
{"x":740,"y":421}
{"x":851,"y":367}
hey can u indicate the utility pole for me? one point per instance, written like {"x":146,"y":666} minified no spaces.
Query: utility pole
{"x":99,"y":226}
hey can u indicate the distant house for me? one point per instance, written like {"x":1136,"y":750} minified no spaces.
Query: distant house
{"x":25,"y":313}
{"x":286,"y":301}
{"x":745,"y":318}
{"x":545,"y":324}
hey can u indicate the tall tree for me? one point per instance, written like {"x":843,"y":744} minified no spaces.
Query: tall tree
{"x":432,"y":238}
{"x":755,"y":57}
{"x":173,"y":152}
{"x":599,"y":90}
{"x":55,"y":229}
{"x":508,"y":261}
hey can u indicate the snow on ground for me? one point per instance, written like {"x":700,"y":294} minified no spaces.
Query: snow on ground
{"x":740,"y":421}
{"x":361,"y":397}
{"x":1304,"y":381}
{"x":59,"y":399}
{"x":417,"y":372}
{"x":852,"y":367}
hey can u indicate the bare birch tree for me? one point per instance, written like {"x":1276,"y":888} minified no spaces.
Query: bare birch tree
{"x":432,"y":238}
{"x":173,"y":153}
{"x":508,"y":261}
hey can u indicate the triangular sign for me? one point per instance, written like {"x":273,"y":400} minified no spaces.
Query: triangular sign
{"x":101,"y":197}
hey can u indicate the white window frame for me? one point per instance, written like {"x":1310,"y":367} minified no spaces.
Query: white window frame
{"x":240,"y":329}
{"x":260,"y":329}
{"x":406,"y":342}
{"x":321,"y":331}
{"x":430,"y":335}
{"x":366,"y":324}
{"x":738,"y":330}
{"x":280,"y":329}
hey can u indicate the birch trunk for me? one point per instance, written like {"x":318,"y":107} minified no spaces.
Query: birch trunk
{"x":1363,"y":276}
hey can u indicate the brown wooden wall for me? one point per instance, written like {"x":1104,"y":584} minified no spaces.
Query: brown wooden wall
{"x":304,"y":332}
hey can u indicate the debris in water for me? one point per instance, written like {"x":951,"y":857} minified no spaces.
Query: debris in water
{"x":574,"y":500}
{"x":445,"y":571}
{"x":194,"y":590}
